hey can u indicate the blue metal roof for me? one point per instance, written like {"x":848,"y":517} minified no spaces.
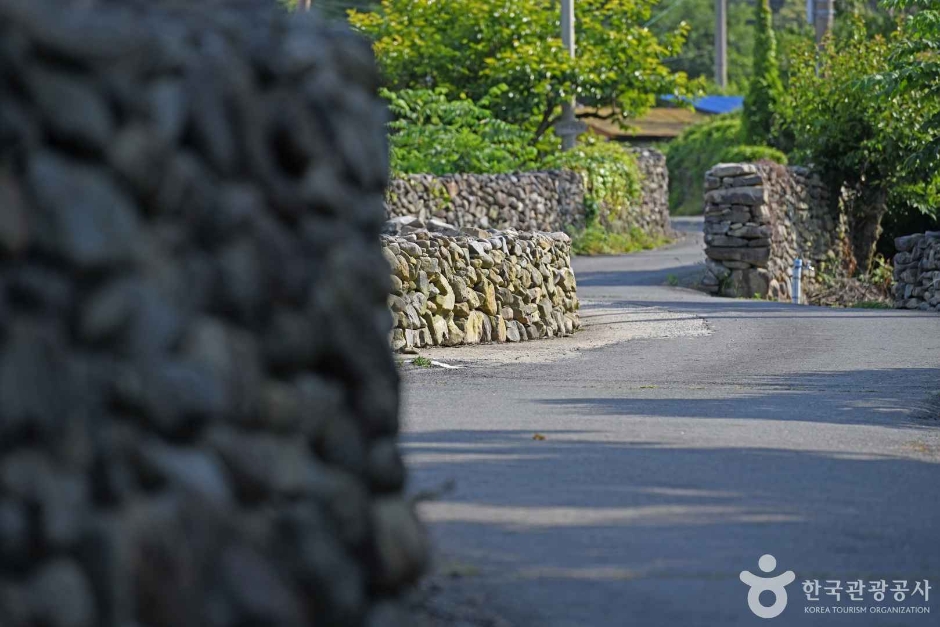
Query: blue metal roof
{"x":713,"y":104}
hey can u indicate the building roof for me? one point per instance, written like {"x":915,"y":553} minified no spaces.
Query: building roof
{"x":713,"y":105}
{"x":659,"y":123}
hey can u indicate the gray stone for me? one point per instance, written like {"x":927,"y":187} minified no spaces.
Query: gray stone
{"x":261,"y":464}
{"x":401,"y":548}
{"x":750,"y":232}
{"x":190,"y":469}
{"x":60,"y":498}
{"x":167,"y":106}
{"x":907,"y":243}
{"x":755,"y":256}
{"x":340,"y":443}
{"x":14,"y":605}
{"x":232,"y":356}
{"x":14,"y":227}
{"x":322,"y":567}
{"x":749,"y":180}
{"x":388,"y":614}
{"x":737,"y":196}
{"x":731,"y":169}
{"x":34,"y":377}
{"x":176,"y":396}
{"x":84,"y":217}
{"x":135,"y":316}
{"x":386,"y":469}
{"x":140,"y":156}
{"x":291,"y":341}
{"x":259,"y":593}
{"x":71,"y":108}
{"x":14,"y":533}
{"x":723,"y":240}
{"x":60,"y":595}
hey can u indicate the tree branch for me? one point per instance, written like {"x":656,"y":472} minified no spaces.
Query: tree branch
{"x":546,"y":122}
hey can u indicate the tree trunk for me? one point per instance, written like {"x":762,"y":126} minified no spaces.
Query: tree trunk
{"x":868,"y":208}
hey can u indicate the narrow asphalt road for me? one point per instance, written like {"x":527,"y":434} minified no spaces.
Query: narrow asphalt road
{"x":665,"y":467}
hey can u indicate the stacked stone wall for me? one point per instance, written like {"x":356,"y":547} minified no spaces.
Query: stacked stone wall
{"x":198,"y":406}
{"x":758,"y":220}
{"x":530,"y":201}
{"x":917,"y":271}
{"x":471,"y":286}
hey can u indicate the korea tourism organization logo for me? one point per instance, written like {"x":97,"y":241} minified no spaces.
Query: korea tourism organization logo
{"x":775,"y":585}
{"x":856,"y":596}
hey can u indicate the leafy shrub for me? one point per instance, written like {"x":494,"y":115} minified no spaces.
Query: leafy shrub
{"x":744,"y":153}
{"x":691,"y":154}
{"x":610,"y":172}
{"x":434,"y":135}
{"x":702,"y":146}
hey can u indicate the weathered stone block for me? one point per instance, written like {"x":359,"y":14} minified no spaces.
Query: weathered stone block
{"x":754,"y":256}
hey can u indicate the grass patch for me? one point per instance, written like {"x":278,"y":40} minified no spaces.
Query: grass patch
{"x":421,"y":362}
{"x":672,"y":280}
{"x":871,"y":304}
{"x":596,"y":240}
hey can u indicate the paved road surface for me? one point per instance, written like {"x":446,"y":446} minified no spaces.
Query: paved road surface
{"x":668,"y":466}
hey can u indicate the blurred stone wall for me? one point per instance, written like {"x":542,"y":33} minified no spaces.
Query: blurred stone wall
{"x":470,"y":286}
{"x":548,"y":201}
{"x":917,"y":271}
{"x":758,"y":220}
{"x":198,"y":406}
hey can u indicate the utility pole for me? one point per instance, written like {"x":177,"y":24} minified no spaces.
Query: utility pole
{"x":823,"y":15}
{"x":568,"y":127}
{"x":721,"y":43}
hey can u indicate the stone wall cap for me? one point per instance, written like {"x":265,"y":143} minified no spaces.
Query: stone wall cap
{"x":907,"y":242}
{"x":732,"y":169}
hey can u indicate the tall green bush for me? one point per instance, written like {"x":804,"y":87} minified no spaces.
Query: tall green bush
{"x":700,"y":147}
{"x":765,"y":88}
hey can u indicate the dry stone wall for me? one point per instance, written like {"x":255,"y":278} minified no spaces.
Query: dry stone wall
{"x":470,"y":286}
{"x":198,"y":406}
{"x":529,"y":201}
{"x":650,"y":213}
{"x":758,"y":220}
{"x":525,"y":201}
{"x":917,"y":271}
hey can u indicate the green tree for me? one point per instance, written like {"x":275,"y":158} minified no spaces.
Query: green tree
{"x":765,"y":88}
{"x":859,"y":138}
{"x":915,"y":75}
{"x":434,"y":135}
{"x":471,"y":46}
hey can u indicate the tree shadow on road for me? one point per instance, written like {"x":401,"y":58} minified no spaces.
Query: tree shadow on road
{"x":660,"y":531}
{"x":894,"y":397}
